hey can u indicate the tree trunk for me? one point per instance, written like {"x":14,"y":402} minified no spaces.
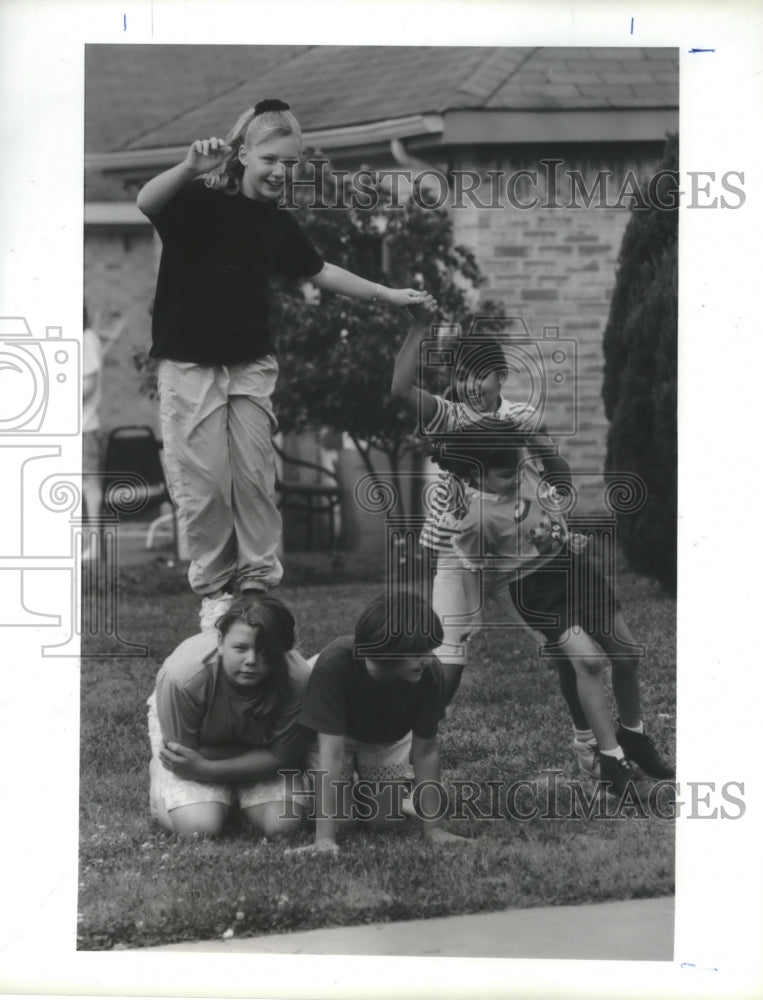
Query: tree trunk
{"x":394,"y":463}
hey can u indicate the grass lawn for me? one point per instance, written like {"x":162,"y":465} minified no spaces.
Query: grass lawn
{"x":140,"y":886}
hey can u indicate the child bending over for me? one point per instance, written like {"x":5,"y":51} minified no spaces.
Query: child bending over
{"x":511,"y":523}
{"x":374,"y":700}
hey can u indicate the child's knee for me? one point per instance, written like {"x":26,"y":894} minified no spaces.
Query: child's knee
{"x":203,"y":820}
{"x":276,"y":819}
{"x":588,"y":665}
{"x":580,"y":650}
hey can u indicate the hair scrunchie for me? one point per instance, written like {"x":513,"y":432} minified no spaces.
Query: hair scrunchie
{"x":270,"y":104}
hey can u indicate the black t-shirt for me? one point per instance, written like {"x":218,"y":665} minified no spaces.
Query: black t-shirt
{"x":218,"y":254}
{"x":342,"y":699}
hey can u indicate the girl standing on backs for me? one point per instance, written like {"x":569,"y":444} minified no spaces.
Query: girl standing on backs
{"x":222,"y":240}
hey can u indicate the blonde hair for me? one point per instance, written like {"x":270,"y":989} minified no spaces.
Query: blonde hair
{"x":252,"y":127}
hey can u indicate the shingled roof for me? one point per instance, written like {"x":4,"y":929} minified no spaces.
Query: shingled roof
{"x":145,"y":103}
{"x":166,"y":95}
{"x":130,"y":89}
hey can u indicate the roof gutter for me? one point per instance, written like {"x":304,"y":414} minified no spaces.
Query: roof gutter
{"x":454,"y":128}
{"x":345,"y":137}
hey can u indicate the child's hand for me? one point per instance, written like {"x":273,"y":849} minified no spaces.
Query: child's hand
{"x":206,"y":154}
{"x":406,"y":298}
{"x":183,"y":761}
{"x":421,"y":312}
{"x":317,"y":847}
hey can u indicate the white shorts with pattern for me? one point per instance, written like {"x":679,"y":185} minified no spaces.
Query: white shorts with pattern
{"x":371,"y":761}
{"x":171,"y":791}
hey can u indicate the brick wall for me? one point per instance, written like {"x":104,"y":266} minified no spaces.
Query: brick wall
{"x":556,"y":268}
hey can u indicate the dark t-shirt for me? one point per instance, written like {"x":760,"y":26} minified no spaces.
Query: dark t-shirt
{"x":342,"y":699}
{"x":218,"y":254}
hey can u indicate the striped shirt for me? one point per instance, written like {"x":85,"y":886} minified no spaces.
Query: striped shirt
{"x":446,"y":501}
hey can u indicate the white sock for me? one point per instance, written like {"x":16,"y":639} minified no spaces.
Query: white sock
{"x":583,"y":735}
{"x":617,"y":753}
{"x":634,"y":729}
{"x":215,"y":595}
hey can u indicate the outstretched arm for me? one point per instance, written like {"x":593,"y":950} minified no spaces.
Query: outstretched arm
{"x":543,"y":448}
{"x":330,"y":761}
{"x":328,"y":787}
{"x":404,"y":386}
{"x":328,"y":808}
{"x":336,"y":279}
{"x":425,"y":757}
{"x":203,"y":155}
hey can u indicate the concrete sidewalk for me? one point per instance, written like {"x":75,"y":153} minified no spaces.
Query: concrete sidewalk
{"x":633,"y":930}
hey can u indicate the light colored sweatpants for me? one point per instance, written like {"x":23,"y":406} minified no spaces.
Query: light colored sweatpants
{"x":218,"y":426}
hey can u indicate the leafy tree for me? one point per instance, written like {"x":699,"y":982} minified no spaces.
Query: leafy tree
{"x":640,"y":376}
{"x":337,"y":359}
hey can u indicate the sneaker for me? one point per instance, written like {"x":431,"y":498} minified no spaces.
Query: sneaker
{"x":406,"y":805}
{"x":587,"y":755}
{"x":641,"y":749}
{"x":257,"y":593}
{"x":616,"y":774}
{"x":213,"y":607}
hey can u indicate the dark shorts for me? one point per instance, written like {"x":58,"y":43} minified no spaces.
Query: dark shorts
{"x":570,"y":590}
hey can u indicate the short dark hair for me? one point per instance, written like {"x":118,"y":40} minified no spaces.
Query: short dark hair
{"x":266,"y":613}
{"x":480,"y":354}
{"x":275,"y":637}
{"x":398,"y":624}
{"x":468,"y":460}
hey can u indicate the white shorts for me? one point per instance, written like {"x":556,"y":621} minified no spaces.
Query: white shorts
{"x":169,"y":790}
{"x":371,"y":761}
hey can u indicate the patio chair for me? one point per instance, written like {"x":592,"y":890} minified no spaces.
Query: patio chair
{"x":135,"y":450}
{"x":312,"y":500}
